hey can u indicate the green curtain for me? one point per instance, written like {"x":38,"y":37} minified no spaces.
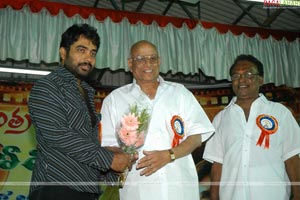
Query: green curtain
{"x":35,"y":37}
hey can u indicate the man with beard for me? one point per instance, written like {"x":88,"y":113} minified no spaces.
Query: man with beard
{"x":70,"y":162}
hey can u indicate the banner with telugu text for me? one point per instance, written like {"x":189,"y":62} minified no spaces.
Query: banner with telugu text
{"x":17,"y":146}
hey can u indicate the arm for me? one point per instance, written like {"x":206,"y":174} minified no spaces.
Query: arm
{"x":198,"y":128}
{"x":154,"y":160}
{"x":109,"y":139}
{"x":60,"y":126}
{"x":216,"y":172}
{"x":292,"y":166}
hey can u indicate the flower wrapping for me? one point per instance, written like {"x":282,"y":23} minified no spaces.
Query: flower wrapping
{"x":132,"y":132}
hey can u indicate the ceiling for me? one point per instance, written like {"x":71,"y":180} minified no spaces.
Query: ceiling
{"x":233,"y":12}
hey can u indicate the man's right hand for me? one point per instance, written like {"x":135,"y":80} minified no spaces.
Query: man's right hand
{"x":121,"y":160}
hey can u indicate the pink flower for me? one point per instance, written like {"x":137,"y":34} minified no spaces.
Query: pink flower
{"x":128,"y":137}
{"x":133,"y":129}
{"x":130,"y":122}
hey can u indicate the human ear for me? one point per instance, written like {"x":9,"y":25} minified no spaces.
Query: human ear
{"x":129,"y":62}
{"x":62,"y":53}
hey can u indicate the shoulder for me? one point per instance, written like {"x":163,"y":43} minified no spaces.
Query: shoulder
{"x":177,"y":88}
{"x":52,"y":85}
{"x":119,"y":92}
{"x":220,"y":114}
{"x":276,"y":106}
{"x":173,"y":84}
{"x":48,"y":82}
{"x":123,"y":89}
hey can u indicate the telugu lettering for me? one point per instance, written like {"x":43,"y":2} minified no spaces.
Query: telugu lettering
{"x":16,"y":123}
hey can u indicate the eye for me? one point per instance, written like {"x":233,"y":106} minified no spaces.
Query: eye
{"x":81,"y":50}
{"x":235,"y":76}
{"x":153,"y":59}
{"x":93,"y":54}
{"x":139,"y":59}
{"x":249,"y":74}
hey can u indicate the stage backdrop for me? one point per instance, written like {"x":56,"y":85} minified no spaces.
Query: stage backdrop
{"x":17,"y":135}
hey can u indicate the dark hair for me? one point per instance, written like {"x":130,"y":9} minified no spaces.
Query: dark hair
{"x":250,"y":58}
{"x":73,"y":33}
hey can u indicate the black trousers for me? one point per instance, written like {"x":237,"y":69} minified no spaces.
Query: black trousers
{"x":60,"y":193}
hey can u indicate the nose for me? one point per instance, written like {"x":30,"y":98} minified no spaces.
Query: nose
{"x":242,"y":78}
{"x":147,"y":61}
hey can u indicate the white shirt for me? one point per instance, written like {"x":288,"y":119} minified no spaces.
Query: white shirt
{"x":252,"y":172}
{"x":177,"y":180}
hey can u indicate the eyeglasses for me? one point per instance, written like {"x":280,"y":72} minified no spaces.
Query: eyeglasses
{"x":141,"y":60}
{"x":247,"y":75}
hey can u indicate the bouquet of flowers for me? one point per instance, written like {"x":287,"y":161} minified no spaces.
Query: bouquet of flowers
{"x":132,"y":133}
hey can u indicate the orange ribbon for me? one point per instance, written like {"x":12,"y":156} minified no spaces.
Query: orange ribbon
{"x":268,"y":125}
{"x":178,"y":129}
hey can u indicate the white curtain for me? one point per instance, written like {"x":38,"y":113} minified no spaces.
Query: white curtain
{"x":36,"y":36}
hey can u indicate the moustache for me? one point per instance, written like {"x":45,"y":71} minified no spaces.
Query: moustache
{"x":85,"y":63}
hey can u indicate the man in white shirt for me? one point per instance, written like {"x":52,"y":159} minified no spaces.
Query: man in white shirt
{"x":165,"y":169}
{"x":256,"y":144}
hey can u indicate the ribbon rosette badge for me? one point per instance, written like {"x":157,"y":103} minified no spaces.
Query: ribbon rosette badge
{"x":132,"y":133}
{"x":178,"y":129}
{"x":268,"y":125}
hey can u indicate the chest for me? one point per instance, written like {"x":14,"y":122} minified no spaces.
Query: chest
{"x":237,"y":132}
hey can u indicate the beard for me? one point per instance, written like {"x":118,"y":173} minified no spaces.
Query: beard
{"x":76,"y":71}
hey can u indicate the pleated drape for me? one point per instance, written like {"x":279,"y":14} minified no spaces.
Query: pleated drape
{"x":35,"y":36}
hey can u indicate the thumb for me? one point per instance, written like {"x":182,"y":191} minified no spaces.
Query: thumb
{"x":146,"y":152}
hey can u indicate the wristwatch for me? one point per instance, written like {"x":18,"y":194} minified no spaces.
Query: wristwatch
{"x":172,"y":155}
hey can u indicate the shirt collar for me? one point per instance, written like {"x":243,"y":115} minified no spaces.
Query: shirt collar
{"x":260,"y":98}
{"x":159,"y":79}
{"x":66,"y":74}
{"x":70,"y":78}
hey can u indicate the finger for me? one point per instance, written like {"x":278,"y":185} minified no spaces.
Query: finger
{"x":148,"y":171}
{"x":145,"y":171}
{"x":129,"y":167}
{"x":131,"y":157}
{"x":144,"y":164}
{"x":144,"y":159}
{"x":136,"y":155}
{"x":146,"y":153}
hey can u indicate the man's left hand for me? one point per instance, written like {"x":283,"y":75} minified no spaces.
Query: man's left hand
{"x":153,"y":161}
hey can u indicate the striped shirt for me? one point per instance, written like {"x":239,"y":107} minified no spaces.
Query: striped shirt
{"x":68,"y":151}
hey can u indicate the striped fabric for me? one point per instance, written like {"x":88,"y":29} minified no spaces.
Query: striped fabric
{"x":69,"y":152}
